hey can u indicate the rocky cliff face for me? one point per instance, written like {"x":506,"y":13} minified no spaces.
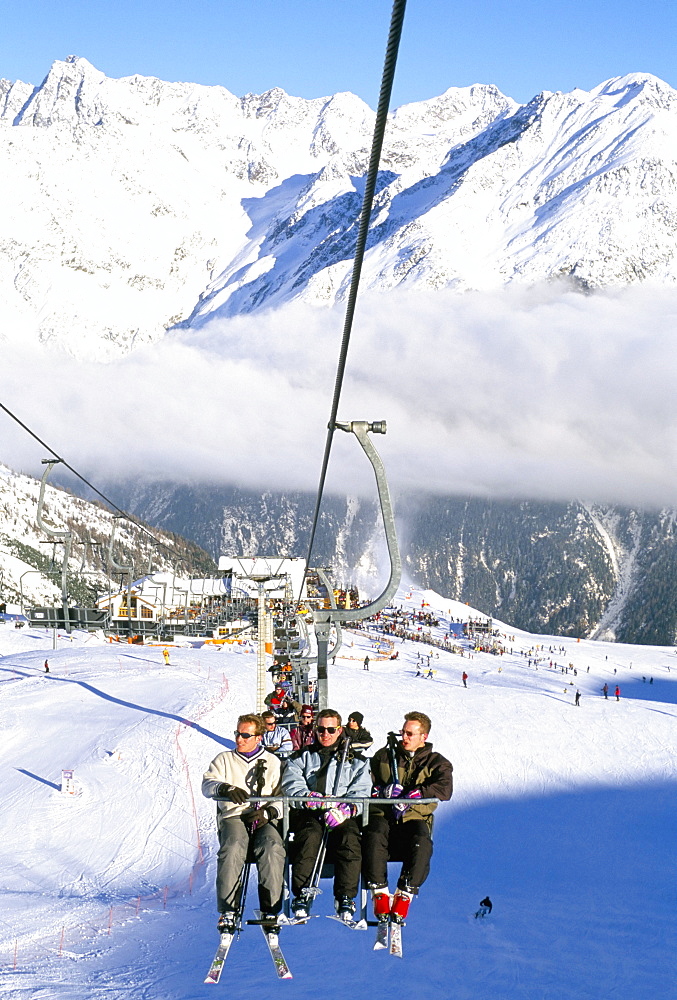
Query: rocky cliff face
{"x":571,"y":569}
{"x":137,"y":205}
{"x":564,"y":569}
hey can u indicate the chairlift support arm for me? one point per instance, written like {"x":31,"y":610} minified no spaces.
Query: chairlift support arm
{"x":323,"y":619}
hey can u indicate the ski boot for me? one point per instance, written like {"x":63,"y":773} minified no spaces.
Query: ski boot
{"x":400,"y":906}
{"x":227,"y":923}
{"x":302,"y":903}
{"x":345,"y":908}
{"x":381,"y":899}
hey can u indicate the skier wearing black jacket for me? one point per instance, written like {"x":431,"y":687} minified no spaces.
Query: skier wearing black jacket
{"x":403,"y":831}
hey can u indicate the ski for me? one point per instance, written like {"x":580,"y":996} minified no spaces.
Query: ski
{"x":353,"y":925}
{"x":273,"y":942}
{"x":216,"y":967}
{"x":382,"y":935}
{"x":396,"y":939}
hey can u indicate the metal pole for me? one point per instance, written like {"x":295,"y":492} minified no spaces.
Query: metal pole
{"x":323,"y":619}
{"x":322,"y":636}
{"x":65,"y":536}
{"x":261,"y":650}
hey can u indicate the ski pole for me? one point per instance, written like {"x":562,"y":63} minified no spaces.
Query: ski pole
{"x":392,"y":753}
{"x":319,"y":860}
{"x":259,"y":780}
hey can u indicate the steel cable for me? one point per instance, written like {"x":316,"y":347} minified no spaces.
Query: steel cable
{"x":387,"y":78}
{"x":75,"y":472}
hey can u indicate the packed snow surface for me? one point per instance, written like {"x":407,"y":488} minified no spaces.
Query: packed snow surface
{"x":564,"y":815}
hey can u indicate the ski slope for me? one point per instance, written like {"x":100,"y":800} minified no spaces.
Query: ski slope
{"x":564,"y":815}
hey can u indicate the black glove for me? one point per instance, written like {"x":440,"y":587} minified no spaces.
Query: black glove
{"x":232,"y":793}
{"x":253,"y":819}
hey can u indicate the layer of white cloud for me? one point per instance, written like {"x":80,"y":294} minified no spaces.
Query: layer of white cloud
{"x":540,"y":393}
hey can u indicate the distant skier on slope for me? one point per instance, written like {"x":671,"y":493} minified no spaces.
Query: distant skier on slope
{"x":404,"y":770}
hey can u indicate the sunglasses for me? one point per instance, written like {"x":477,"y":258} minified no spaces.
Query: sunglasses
{"x":306,"y":715}
{"x":244,"y":736}
{"x":327,"y":729}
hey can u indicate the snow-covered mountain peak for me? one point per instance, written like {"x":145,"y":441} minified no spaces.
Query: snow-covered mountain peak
{"x":643,"y":87}
{"x":138,"y":204}
{"x":69,"y":93}
{"x":453,"y":103}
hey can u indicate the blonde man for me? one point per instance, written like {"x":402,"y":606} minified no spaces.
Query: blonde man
{"x":403,"y":830}
{"x":235,"y":778}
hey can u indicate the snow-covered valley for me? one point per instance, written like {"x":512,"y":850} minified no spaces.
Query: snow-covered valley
{"x":564,"y":815}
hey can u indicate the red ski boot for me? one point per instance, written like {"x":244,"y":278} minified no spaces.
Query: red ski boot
{"x":400,"y":906}
{"x":381,"y":899}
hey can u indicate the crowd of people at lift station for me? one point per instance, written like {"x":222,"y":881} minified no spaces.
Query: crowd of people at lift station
{"x":414,"y":625}
{"x":362,"y":810}
{"x":479,"y":636}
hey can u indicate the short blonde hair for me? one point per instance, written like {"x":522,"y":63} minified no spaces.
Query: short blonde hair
{"x":421,"y":718}
{"x":256,"y":721}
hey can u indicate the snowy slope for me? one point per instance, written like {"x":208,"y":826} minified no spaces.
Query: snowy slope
{"x":564,"y":815}
{"x":138,"y":204}
{"x":31,"y":566}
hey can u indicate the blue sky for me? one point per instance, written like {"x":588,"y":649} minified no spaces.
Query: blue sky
{"x":312,"y":48}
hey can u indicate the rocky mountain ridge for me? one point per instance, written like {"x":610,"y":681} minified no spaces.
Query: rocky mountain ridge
{"x":570,"y":569}
{"x":138,"y":205}
{"x":586,"y":570}
{"x":30,"y":566}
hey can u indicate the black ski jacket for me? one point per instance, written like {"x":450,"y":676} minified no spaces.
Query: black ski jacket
{"x":427,"y":770}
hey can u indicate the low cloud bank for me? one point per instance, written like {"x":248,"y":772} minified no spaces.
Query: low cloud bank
{"x":531,"y":393}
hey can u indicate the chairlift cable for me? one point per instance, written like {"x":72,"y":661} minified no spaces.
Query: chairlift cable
{"x":75,"y":472}
{"x":387,"y":78}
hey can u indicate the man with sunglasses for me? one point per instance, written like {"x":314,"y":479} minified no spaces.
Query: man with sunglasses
{"x":235,"y":778}
{"x":312,"y":772}
{"x":403,"y":831}
{"x":276,"y":738}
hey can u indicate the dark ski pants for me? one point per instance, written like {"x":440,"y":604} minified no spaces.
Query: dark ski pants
{"x":343,"y":849}
{"x":407,"y":841}
{"x":265,"y":848}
